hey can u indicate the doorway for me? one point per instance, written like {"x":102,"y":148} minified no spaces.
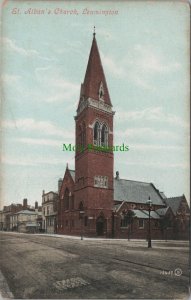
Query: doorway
{"x":100,"y":226}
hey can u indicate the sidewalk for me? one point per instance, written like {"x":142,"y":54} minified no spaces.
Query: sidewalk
{"x":96,"y":239}
{"x":107,"y":239}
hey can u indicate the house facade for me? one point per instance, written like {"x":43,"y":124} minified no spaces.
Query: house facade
{"x":24,"y":221}
{"x":49,"y":212}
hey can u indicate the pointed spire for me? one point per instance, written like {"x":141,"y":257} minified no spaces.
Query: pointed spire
{"x":95,"y":77}
{"x":94,"y":33}
{"x":67,"y":166}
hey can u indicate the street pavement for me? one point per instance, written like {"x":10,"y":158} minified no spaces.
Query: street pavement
{"x":59,"y":267}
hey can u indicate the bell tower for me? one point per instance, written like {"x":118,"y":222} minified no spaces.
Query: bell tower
{"x":94,"y":155}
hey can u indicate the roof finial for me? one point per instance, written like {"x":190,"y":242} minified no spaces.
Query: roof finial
{"x":94,"y":32}
{"x":67,"y":166}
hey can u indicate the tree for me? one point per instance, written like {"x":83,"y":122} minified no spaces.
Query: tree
{"x":165,"y":222}
{"x":128,"y":217}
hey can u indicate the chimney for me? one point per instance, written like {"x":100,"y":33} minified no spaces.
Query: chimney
{"x":36,"y":205}
{"x":59,"y":184}
{"x":25,"y":203}
{"x":117,"y":175}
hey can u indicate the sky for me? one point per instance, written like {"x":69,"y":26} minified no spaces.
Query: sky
{"x":144,"y":49}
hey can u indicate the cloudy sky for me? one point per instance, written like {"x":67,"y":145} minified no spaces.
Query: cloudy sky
{"x":145,"y":55}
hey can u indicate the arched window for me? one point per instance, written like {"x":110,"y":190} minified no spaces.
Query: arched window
{"x":83,"y":141}
{"x":66,"y":199}
{"x":104,"y":136}
{"x":80,"y":136}
{"x":81,"y":206}
{"x":96,"y":133}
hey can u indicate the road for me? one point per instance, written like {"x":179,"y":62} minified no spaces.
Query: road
{"x":53,"y":267}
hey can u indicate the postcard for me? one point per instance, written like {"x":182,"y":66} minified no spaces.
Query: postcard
{"x":95,"y":149}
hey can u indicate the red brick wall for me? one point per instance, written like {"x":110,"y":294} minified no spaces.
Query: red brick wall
{"x":93,"y":163}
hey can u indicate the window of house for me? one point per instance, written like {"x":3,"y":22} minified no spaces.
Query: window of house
{"x":141,"y":223}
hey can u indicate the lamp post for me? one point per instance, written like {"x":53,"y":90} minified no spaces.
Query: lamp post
{"x":149,"y":202}
{"x":81,"y":217}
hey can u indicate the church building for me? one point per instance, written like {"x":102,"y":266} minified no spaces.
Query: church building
{"x":92,"y":202}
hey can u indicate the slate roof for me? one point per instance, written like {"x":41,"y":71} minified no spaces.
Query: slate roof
{"x":72,"y":173}
{"x":154,"y":215}
{"x":26,"y":212}
{"x":174,"y":203}
{"x":143,"y":214}
{"x":136,"y":191}
{"x":140,"y":214}
{"x":162,"y":211}
{"x":163,"y":195}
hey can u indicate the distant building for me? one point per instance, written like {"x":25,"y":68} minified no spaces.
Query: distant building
{"x":9,"y":218}
{"x":2,"y":220}
{"x":7,"y":212}
{"x":25,"y":221}
{"x":49,"y":212}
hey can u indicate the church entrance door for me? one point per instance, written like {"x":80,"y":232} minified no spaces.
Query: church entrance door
{"x":100,"y":225}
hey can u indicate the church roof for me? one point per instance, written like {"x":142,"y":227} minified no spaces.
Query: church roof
{"x":136,"y":191}
{"x":143,"y":214}
{"x":163,"y":195}
{"x":95,"y":76}
{"x":174,"y":203}
{"x":72,"y":173}
{"x":133,"y":191}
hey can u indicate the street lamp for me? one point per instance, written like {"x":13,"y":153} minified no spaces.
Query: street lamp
{"x":81,"y":217}
{"x":149,"y":202}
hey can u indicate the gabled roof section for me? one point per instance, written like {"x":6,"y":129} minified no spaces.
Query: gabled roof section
{"x":174,"y":202}
{"x":136,"y":191}
{"x":95,"y":76}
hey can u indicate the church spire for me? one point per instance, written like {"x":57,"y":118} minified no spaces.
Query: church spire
{"x":94,"y":32}
{"x":95,"y":85}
